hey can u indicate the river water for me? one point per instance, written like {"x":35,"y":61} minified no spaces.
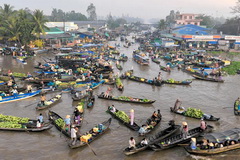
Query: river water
{"x":210,"y":97}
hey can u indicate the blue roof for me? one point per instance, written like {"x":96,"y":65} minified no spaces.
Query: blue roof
{"x":189,"y":31}
{"x":192,"y":26}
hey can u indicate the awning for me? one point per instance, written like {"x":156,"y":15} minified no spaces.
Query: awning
{"x":233,"y":134}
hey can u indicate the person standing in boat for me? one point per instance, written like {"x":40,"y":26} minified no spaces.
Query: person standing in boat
{"x":74,"y":131}
{"x":144,"y":142}
{"x":40,"y":118}
{"x":29,"y":88}
{"x":67,"y":123}
{"x":203,"y":124}
{"x":185,"y":129}
{"x":43,"y":99}
{"x":132,"y":143}
{"x":193,"y":143}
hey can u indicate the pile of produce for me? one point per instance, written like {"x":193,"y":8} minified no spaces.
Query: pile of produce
{"x":123,"y":116}
{"x":10,"y":125}
{"x":20,"y":75}
{"x":118,"y":82}
{"x":232,"y":68}
{"x":170,"y":80}
{"x":13,"y":119}
{"x":145,"y":100}
{"x":60,"y":122}
{"x":123,"y":98}
{"x":82,"y":69}
{"x":119,"y":67}
{"x":4,"y":78}
{"x":66,"y":85}
{"x":193,"y":112}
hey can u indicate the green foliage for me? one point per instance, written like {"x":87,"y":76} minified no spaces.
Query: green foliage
{"x":13,"y":119}
{"x":123,"y":116}
{"x":58,"y":15}
{"x":170,"y":80}
{"x":193,"y":112}
{"x":232,"y":68}
{"x":20,"y":75}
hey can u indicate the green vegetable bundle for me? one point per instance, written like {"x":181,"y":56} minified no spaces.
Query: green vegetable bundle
{"x":118,"y":82}
{"x":20,"y":75}
{"x":60,"y":122}
{"x":123,"y":116}
{"x":170,"y":80}
{"x":13,"y":119}
{"x":193,"y":112}
{"x":10,"y":125}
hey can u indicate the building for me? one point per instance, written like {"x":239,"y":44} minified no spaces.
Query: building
{"x":65,"y":26}
{"x":187,"y":18}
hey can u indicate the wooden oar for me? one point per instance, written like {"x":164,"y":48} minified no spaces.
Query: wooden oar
{"x":91,"y":149}
{"x":227,"y":107}
{"x":31,"y":104}
{"x":183,"y":144}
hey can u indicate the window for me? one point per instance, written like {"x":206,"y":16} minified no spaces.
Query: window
{"x":196,"y":23}
{"x":185,"y":17}
{"x":190,"y":17}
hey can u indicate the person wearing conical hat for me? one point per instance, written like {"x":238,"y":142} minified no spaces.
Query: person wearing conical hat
{"x":67,"y":123}
{"x":193,"y":143}
{"x":185,"y":129}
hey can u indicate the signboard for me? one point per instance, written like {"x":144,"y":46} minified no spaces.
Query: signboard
{"x":200,"y":40}
{"x":232,"y":37}
{"x":202,"y":37}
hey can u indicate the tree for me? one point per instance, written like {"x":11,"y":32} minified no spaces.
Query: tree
{"x":6,"y":11}
{"x":162,"y":24}
{"x":91,"y":10}
{"x":231,"y":26}
{"x":39,"y":21}
{"x":170,"y":19}
{"x":236,"y":9}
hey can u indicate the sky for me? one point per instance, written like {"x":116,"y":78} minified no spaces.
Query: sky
{"x":145,"y":9}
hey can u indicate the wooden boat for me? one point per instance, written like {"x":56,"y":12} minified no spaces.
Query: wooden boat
{"x":186,"y":82}
{"x":236,"y":103}
{"x":220,"y":138}
{"x":144,"y":80}
{"x":149,"y":123}
{"x":19,"y":97}
{"x":208,"y":79}
{"x":179,"y":139}
{"x":164,"y":69}
{"x":155,"y":60}
{"x":6,"y":89}
{"x":38,"y":80}
{"x":208,"y":152}
{"x":50,"y":102}
{"x":123,"y":58}
{"x":30,"y":127}
{"x":95,"y":85}
{"x":21,"y":59}
{"x":95,"y":135}
{"x":134,"y":127}
{"x":54,"y":118}
{"x":119,"y":84}
{"x":193,"y":72}
{"x":76,"y":97}
{"x":126,"y":99}
{"x":90,"y":98}
{"x":16,"y":74}
{"x":207,"y":118}
{"x":119,"y":67}
{"x":141,"y":58}
{"x":153,"y":139}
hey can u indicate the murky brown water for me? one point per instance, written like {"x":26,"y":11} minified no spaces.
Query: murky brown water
{"x":207,"y":96}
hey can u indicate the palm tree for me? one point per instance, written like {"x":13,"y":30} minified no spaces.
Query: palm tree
{"x":6,"y":11}
{"x":39,"y":21}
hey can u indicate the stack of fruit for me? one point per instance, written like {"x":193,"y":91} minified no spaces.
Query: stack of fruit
{"x":60,"y":122}
{"x":13,"y":119}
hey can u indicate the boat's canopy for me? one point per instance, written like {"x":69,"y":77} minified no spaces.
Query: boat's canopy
{"x":232,"y":134}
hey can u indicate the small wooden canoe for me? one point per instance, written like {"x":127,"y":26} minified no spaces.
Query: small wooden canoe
{"x":105,"y":126}
{"x":127,"y":99}
{"x":153,"y":139}
{"x":179,"y":139}
{"x":207,"y":118}
{"x":208,"y":79}
{"x":50,"y":102}
{"x":134,"y":127}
